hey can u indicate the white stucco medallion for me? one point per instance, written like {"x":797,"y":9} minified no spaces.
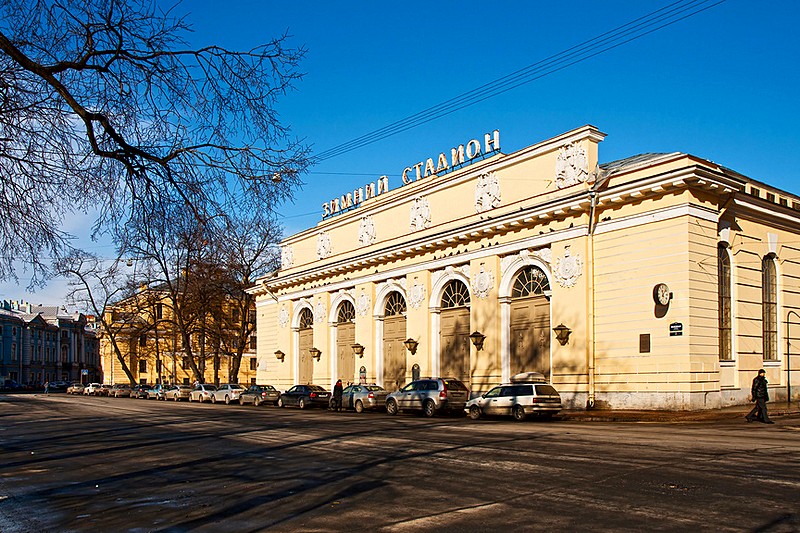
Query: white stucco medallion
{"x":568,"y":269}
{"x":283,"y":317}
{"x":487,"y":192}
{"x":319,"y":311}
{"x":482,"y":283}
{"x":366,"y":231}
{"x":323,"y":245}
{"x":572,"y":165}
{"x":362,"y":304}
{"x":287,"y":257}
{"x":420,"y":214}
{"x":416,"y":295}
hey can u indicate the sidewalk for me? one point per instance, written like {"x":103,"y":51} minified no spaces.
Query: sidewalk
{"x":734,"y":412}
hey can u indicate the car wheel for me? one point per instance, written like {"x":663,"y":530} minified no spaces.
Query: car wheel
{"x":518,"y":413}
{"x":214,"y":399}
{"x":429,"y":408}
{"x":302,"y":403}
{"x":359,"y":406}
{"x":227,"y":400}
{"x":256,"y":401}
{"x":391,"y":407}
{"x":241,"y":400}
{"x":280,"y":403}
{"x":176,"y":398}
{"x":474,"y":412}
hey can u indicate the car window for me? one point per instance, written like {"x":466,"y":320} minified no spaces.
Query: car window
{"x":293,"y":389}
{"x":494,"y":393}
{"x":410,"y":387}
{"x":316,"y":388}
{"x":349,"y":389}
{"x":454,"y":384}
{"x":236,"y":386}
{"x":373,"y":388}
{"x":432,"y":385}
{"x":546,"y":390}
{"x":269,"y":387}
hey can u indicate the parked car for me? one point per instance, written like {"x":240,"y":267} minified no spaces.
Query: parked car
{"x":105,"y":390}
{"x":140,"y":391}
{"x":303,"y":396}
{"x":157,"y":392}
{"x":227,"y":392}
{"x":75,"y":388}
{"x":429,"y":395}
{"x":202,"y":393}
{"x":178,"y":392}
{"x":57,"y":386}
{"x":528,"y":393}
{"x":92,"y":389}
{"x":121,"y":390}
{"x":361,"y":397}
{"x":258,"y":394}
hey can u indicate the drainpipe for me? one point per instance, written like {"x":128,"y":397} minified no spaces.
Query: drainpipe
{"x":789,"y":357}
{"x":601,"y":178}
{"x":590,"y":302}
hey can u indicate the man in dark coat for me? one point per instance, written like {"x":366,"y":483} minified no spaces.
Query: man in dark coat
{"x":337,"y":396}
{"x":760,"y":395}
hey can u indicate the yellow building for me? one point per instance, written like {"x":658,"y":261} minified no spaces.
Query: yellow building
{"x":153,"y":349}
{"x":660,"y":281}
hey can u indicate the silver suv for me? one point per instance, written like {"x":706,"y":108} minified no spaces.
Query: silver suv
{"x":527,"y":394}
{"x":430,"y":395}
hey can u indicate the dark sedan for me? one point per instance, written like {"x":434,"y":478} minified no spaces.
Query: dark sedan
{"x":303,"y":396}
{"x":258,"y":394}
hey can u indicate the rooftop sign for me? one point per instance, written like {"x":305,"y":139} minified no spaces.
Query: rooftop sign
{"x":463,"y":154}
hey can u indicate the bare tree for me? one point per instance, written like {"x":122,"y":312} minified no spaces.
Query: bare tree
{"x":104,"y":106}
{"x":97,"y":286}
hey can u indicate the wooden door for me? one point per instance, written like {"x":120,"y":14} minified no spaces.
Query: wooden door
{"x":530,"y":335}
{"x":394,"y":352}
{"x":346,"y":362}
{"x":454,"y":358}
{"x":306,"y":371}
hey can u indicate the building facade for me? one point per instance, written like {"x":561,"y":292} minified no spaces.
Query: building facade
{"x":150,"y":343}
{"x":46,"y":343}
{"x":660,"y":281}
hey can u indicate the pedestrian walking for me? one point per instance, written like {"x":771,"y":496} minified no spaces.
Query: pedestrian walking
{"x":759,"y":394}
{"x":47,"y":388}
{"x":337,"y":396}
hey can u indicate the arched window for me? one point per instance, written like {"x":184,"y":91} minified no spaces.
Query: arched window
{"x":530,"y":281}
{"x":395,"y":305}
{"x":306,"y":318}
{"x":455,"y":294}
{"x":769,"y":307}
{"x":724,"y":297}
{"x":347,"y":313}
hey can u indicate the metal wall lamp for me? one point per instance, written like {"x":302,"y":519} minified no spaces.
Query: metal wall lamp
{"x":315,"y":353}
{"x":358,"y":350}
{"x":411,"y":345}
{"x":280,"y":355}
{"x":477,"y":339}
{"x":562,"y":334}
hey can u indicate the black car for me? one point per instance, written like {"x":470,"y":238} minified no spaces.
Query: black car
{"x":303,"y":396}
{"x":57,"y":386}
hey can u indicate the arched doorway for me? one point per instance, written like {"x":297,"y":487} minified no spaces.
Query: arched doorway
{"x":530,"y":322}
{"x":345,"y":338}
{"x":394,"y":333}
{"x":305,"y":371}
{"x":454,"y":331}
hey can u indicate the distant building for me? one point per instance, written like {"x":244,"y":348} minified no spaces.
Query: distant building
{"x":153,"y":349}
{"x":46,"y":343}
{"x":658,"y":281}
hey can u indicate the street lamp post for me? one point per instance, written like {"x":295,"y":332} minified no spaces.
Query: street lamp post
{"x":789,"y":357}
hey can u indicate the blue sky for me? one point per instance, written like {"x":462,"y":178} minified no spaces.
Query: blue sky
{"x":721,"y":84}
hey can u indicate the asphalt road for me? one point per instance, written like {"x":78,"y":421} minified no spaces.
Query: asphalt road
{"x":105,"y":464}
